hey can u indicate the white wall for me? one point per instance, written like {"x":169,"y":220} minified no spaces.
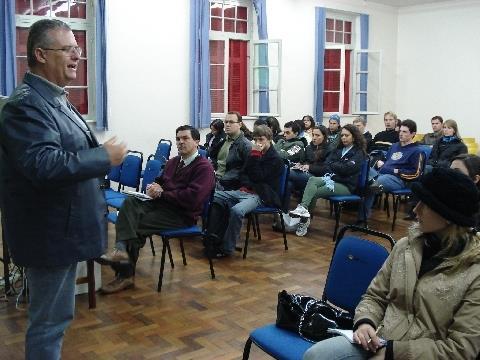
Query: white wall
{"x":438,"y":64}
{"x":148,"y":63}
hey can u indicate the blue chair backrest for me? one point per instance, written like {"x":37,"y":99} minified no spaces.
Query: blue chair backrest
{"x":131,"y":170}
{"x":363,"y":176}
{"x":114,"y":174}
{"x":152,"y":170}
{"x":163,"y":151}
{"x":203,"y":153}
{"x":427,"y":150}
{"x":355,"y":262}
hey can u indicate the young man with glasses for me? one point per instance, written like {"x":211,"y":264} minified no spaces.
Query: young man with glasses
{"x":50,"y":166}
{"x":230,"y":159}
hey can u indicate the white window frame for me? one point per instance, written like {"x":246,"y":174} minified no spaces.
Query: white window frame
{"x":355,"y":87}
{"x":225,"y":37}
{"x":87,"y":25}
{"x":252,"y":91}
{"x":353,"y":18}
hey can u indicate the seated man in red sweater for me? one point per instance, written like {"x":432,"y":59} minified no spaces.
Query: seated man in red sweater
{"x":178,"y":197}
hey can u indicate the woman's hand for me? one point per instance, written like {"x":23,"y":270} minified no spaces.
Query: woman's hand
{"x":366,"y":336}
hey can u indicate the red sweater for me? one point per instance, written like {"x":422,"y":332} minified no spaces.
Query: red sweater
{"x":188,"y":188}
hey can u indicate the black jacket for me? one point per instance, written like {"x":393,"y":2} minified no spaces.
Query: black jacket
{"x":346,"y":168}
{"x":383,"y":140}
{"x":315,"y":156}
{"x":262,"y":175}
{"x":236,"y":158}
{"x":213,"y":149}
{"x":443,"y":152}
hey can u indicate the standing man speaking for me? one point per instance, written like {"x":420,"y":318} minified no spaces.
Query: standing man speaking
{"x":50,"y":196}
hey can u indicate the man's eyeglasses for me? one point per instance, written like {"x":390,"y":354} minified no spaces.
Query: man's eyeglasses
{"x":70,"y":50}
{"x":230,"y":122}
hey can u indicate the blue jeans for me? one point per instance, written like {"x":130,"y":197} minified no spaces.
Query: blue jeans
{"x":336,"y":348}
{"x":240,"y":203}
{"x":51,"y":309}
{"x":389,"y":182}
{"x":297,"y":180}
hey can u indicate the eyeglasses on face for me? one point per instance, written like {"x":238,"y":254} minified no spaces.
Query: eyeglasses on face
{"x":230,"y":122}
{"x":69,"y":50}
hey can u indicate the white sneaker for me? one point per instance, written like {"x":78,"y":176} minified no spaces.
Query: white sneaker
{"x":300,"y":211}
{"x":302,"y":228}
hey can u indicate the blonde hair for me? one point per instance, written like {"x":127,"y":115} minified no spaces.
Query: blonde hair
{"x":460,"y":245}
{"x":452,"y":124}
{"x":391,"y":113}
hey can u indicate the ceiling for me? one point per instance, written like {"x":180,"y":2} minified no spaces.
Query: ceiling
{"x":403,"y":3}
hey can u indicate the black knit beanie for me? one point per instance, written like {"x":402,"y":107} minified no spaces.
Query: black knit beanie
{"x":450,"y":194}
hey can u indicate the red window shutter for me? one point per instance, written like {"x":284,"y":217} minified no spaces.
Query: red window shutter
{"x":237,"y":77}
{"x":332,"y":60}
{"x":346,"y":85}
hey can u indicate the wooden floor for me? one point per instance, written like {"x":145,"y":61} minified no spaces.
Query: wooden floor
{"x":195,"y":317}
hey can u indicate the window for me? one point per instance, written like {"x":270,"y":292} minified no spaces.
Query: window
{"x":351,"y":75}
{"x":238,"y":83}
{"x":79,"y":15}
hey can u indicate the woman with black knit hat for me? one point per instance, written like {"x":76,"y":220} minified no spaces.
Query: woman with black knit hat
{"x":425,"y":301}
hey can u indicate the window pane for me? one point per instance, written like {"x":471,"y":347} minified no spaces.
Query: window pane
{"x":60,"y":9}
{"x":217,"y":101}
{"x":229,"y":25}
{"x":242,"y":27}
{"x":22,"y":35}
{"x":347,"y":39}
{"x":78,"y":10}
{"x":242,"y":12}
{"x":82,"y":75}
{"x":229,"y":11}
{"x":339,"y":38}
{"x":272,"y":100}
{"x":22,"y":7}
{"x":332,"y":58}
{"x":330,"y":24}
{"x":22,"y":68}
{"x":339,"y":25}
{"x":41,"y":7}
{"x":331,"y":102}
{"x":216,"y":24}
{"x":332,"y":80}
{"x":330,"y":35}
{"x":217,"y":76}
{"x":261,"y":74}
{"x":81,"y":37}
{"x":348,"y":26}
{"x":216,"y":9}
{"x":79,"y":99}
{"x":262,"y":58}
{"x":217,"y":52}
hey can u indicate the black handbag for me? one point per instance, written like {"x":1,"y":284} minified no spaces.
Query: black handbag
{"x":310,"y":317}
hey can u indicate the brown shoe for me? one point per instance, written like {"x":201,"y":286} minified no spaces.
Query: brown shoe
{"x":114,"y":256}
{"x":118,"y":284}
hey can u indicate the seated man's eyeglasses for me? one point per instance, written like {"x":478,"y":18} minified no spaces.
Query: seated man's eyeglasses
{"x":68,"y":50}
{"x":229,"y":122}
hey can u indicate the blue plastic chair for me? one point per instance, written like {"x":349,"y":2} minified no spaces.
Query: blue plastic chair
{"x":203,"y":153}
{"x":252,"y":217}
{"x":191,"y":231}
{"x":129,"y":176}
{"x":352,"y":255}
{"x":162,"y":153}
{"x":113,"y":175}
{"x":339,"y":200}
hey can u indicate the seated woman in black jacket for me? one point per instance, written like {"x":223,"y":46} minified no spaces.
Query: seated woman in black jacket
{"x":315,"y":155}
{"x":447,"y":147}
{"x":215,"y":137}
{"x":340,"y":175}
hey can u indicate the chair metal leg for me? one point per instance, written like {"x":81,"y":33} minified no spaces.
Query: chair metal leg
{"x":331,"y":208}
{"x":162,"y":264}
{"x":386,"y":205}
{"x":396,"y":204}
{"x":209,"y":251}
{"x":257,"y":224}
{"x":246,"y":349}
{"x":254,"y":229}
{"x":338,"y":209}
{"x":284,"y":232}
{"x":170,"y":257}
{"x":151,"y":245}
{"x":249,"y":223}
{"x":183,"y":252}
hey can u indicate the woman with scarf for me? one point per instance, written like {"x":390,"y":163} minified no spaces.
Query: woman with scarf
{"x":447,"y":147}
